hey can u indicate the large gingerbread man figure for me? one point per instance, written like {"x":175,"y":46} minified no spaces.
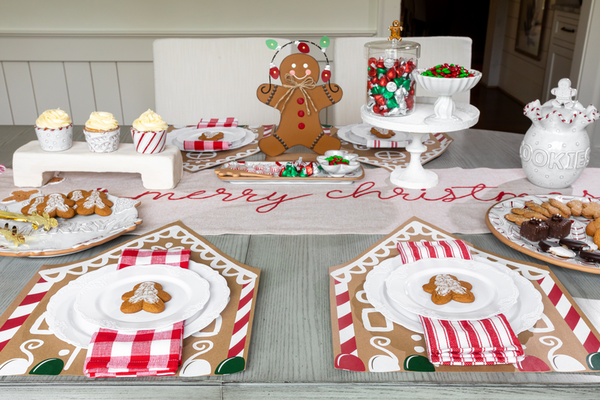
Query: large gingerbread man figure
{"x":299,"y":100}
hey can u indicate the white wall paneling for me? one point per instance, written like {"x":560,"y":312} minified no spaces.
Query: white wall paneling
{"x":106,"y":88}
{"x":50,"y":86}
{"x":137,"y":89}
{"x":81,"y":90}
{"x":5,"y":112}
{"x":20,"y":92}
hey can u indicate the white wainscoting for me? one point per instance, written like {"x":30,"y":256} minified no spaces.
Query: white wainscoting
{"x":27,"y":88}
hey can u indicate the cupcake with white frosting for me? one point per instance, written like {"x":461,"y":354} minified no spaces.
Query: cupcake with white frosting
{"x":102,"y":132}
{"x":149,"y":133}
{"x":54,"y":130}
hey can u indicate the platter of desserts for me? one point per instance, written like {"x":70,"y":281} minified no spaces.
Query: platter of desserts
{"x":558,"y":229}
{"x":338,"y":168}
{"x":68,"y":325}
{"x":522,"y":314}
{"x":82,"y":219}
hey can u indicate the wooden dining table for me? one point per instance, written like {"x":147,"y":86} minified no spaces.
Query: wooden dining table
{"x":291,"y":354}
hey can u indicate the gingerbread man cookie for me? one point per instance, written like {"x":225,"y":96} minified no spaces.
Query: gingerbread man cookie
{"x":147,"y":296}
{"x":211,"y":136}
{"x":32,"y":205}
{"x":57,"y":205}
{"x":94,"y":202}
{"x":444,"y":288}
{"x":19,"y":195}
{"x":382,"y":135}
{"x":299,"y":100}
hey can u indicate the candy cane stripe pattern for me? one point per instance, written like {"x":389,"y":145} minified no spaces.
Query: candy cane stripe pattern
{"x":149,"y":142}
{"x":583,"y":333}
{"x":216,"y":122}
{"x":344,"y":315}
{"x":18,"y":317}
{"x":440,"y":137}
{"x":242,"y":318}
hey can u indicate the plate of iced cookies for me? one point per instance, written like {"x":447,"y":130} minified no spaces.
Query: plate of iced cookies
{"x":43,"y":225}
{"x":562,"y":230}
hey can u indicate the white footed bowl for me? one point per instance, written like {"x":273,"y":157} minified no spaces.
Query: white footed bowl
{"x":337,"y":171}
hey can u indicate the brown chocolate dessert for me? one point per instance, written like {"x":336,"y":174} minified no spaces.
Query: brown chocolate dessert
{"x":534,"y":230}
{"x":560,"y":227}
{"x":592,"y":256}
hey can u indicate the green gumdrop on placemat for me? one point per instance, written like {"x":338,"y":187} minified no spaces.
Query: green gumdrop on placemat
{"x":50,"y":366}
{"x":231,"y":366}
{"x":418,"y":363}
{"x":593,"y":361}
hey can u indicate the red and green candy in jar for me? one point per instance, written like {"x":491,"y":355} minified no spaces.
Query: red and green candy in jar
{"x":448,"y":71}
{"x":390,"y":86}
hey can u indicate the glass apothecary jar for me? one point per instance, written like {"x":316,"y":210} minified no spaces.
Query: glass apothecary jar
{"x":391,"y":88}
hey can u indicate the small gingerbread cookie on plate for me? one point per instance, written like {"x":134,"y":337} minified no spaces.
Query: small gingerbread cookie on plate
{"x":211,"y":136}
{"x":382,"y":135}
{"x":57,"y":205}
{"x":147,"y":296}
{"x":445,"y":287}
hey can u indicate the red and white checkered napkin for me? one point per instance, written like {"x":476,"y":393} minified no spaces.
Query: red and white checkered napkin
{"x":384,"y":144}
{"x":218,"y":122}
{"x":149,"y":352}
{"x":488,"y":341}
{"x":205,"y":145}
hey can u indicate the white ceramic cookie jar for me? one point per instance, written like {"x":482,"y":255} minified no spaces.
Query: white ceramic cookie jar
{"x":556,"y":149}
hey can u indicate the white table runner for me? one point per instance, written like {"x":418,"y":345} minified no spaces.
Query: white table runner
{"x":369,"y":206}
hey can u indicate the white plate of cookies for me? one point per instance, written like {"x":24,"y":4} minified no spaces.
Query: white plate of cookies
{"x":237,"y":137}
{"x":577,"y":250}
{"x":85,"y":218}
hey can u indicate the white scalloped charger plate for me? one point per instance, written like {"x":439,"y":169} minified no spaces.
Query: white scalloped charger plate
{"x":237,"y":137}
{"x":521,"y":316}
{"x":99,"y":301}
{"x":72,"y":235}
{"x":509,"y":232}
{"x":494,"y":291}
{"x":70,"y":327}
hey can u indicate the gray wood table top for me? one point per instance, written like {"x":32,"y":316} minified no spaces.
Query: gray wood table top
{"x":291,"y":351}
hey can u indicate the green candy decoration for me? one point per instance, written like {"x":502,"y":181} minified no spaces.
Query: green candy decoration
{"x":50,"y":366}
{"x":231,"y":366}
{"x":381,"y":71}
{"x":289,"y":171}
{"x":324,"y":42}
{"x":392,"y":103}
{"x":418,"y":363}
{"x":272,"y":44}
{"x":388,"y":95}
{"x":399,"y":81}
{"x":406,"y":84}
{"x":377,"y":90}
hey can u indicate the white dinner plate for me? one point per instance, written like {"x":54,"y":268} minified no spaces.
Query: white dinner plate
{"x":70,"y":327}
{"x":494,"y":291}
{"x":237,"y":137}
{"x":99,"y":301}
{"x":364,"y":131}
{"x":522,"y":315}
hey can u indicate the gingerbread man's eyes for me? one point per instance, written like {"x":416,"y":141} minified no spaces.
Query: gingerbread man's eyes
{"x":305,"y":65}
{"x":293,"y":65}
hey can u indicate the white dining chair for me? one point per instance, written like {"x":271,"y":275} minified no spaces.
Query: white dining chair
{"x":350,"y":69}
{"x":213,"y":78}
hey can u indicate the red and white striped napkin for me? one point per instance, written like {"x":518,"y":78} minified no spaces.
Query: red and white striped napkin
{"x":204,"y":145}
{"x":488,"y":341}
{"x":218,"y":122}
{"x":384,"y":144}
{"x":149,"y":352}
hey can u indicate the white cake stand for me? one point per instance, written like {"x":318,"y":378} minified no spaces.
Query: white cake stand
{"x":414,"y":176}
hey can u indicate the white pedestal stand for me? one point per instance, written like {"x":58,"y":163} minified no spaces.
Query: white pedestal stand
{"x":414,"y":176}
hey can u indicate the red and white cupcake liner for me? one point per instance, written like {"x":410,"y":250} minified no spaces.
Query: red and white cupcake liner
{"x":149,"y":142}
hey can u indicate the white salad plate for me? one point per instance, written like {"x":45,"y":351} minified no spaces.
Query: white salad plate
{"x":71,"y":235}
{"x":494,"y":291}
{"x":522,"y":315}
{"x":99,"y":301}
{"x":364,"y":131}
{"x":237,"y":137}
{"x":346,"y":133}
{"x":70,"y":327}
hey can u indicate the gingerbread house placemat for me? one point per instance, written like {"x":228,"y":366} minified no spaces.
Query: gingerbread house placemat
{"x":563,"y":340}
{"x":27,"y":346}
{"x":194,"y":161}
{"x":436,"y":144}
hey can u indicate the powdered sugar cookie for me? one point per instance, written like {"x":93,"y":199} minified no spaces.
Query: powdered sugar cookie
{"x":147,"y":296}
{"x":57,"y":205}
{"x":444,"y":288}
{"x":94,"y":202}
